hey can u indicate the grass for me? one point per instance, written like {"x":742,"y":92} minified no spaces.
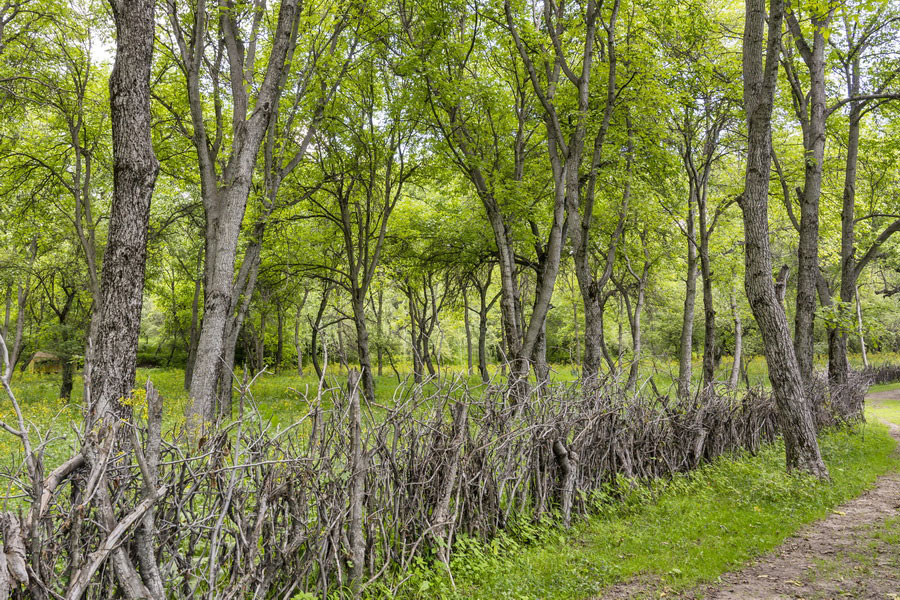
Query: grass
{"x":886,"y":410}
{"x":675,"y":534}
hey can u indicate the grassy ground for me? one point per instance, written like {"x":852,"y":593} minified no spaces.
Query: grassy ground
{"x":886,"y":410}
{"x":676,"y":534}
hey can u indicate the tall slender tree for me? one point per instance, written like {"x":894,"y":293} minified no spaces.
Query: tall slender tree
{"x":226,"y":152}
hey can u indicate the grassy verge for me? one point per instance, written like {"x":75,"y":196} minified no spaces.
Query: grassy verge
{"x":677,"y":533}
{"x":886,"y":410}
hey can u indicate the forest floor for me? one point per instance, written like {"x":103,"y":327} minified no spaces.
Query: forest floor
{"x":853,"y":553}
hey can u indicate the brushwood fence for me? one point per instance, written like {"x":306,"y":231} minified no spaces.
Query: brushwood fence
{"x":353,"y":491}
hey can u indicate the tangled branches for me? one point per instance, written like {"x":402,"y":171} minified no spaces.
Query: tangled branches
{"x":352,"y":491}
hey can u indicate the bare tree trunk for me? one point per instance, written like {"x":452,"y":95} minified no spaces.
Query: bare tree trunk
{"x":814,"y":143}
{"x":484,"y":308}
{"x":342,"y":352}
{"x":838,"y":361}
{"x":685,"y":352}
{"x":576,"y":338}
{"x":362,"y":345}
{"x":709,"y":310}
{"x":279,"y":344}
{"x":314,"y":341}
{"x":539,"y":352}
{"x":414,"y":339}
{"x":67,"y":377}
{"x":379,"y":325}
{"x":738,"y":343}
{"x":261,"y":338}
{"x":634,"y":319}
{"x":225,"y":198}
{"x":355,"y":533}
{"x":760,"y":80}
{"x":862,"y":337}
{"x":297,"y":346}
{"x":468,"y":331}
{"x":23,"y":291}
{"x":634,"y":316}
{"x":134,"y":176}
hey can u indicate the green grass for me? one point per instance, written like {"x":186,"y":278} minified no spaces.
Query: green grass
{"x":886,"y":410}
{"x":675,"y":534}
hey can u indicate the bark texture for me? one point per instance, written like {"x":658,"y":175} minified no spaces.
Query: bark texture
{"x":686,"y":345}
{"x":134,"y":176}
{"x":810,"y":107}
{"x":760,"y":80}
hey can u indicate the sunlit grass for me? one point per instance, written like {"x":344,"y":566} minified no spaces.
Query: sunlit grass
{"x":884,"y":409}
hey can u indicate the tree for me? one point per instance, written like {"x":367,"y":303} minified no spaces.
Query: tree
{"x":566,"y":146}
{"x":811,"y":111}
{"x":63,"y":162}
{"x":111,"y":376}
{"x":226,"y":156}
{"x":760,"y":81}
{"x":367,"y":151}
{"x":860,"y":44}
{"x":481,"y":110}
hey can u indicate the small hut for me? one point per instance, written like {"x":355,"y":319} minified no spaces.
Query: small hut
{"x":44,"y":362}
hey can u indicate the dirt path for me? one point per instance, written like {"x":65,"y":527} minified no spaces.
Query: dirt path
{"x":853,"y":553}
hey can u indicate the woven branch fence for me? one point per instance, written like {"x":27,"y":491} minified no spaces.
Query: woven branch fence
{"x":352,"y":492}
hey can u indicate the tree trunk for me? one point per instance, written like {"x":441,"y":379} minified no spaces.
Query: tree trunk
{"x":225,"y":201}
{"x":314,"y":341}
{"x":838,"y":361}
{"x":593,"y":339}
{"x":483,"y":310}
{"x":314,"y":351}
{"x":709,"y":310}
{"x":814,"y":143}
{"x":738,"y":343}
{"x":22,"y":293}
{"x":279,"y":344}
{"x":539,"y":358}
{"x":635,"y":321}
{"x":468,"y":332}
{"x":794,"y":414}
{"x":342,"y":352}
{"x":67,"y":377}
{"x":362,"y":346}
{"x":414,"y":339}
{"x":135,"y":168}
{"x":380,"y":331}
{"x":297,"y":346}
{"x":427,"y":353}
{"x":860,"y":331}
{"x":261,"y":339}
{"x":685,"y":354}
{"x":576,"y":339}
